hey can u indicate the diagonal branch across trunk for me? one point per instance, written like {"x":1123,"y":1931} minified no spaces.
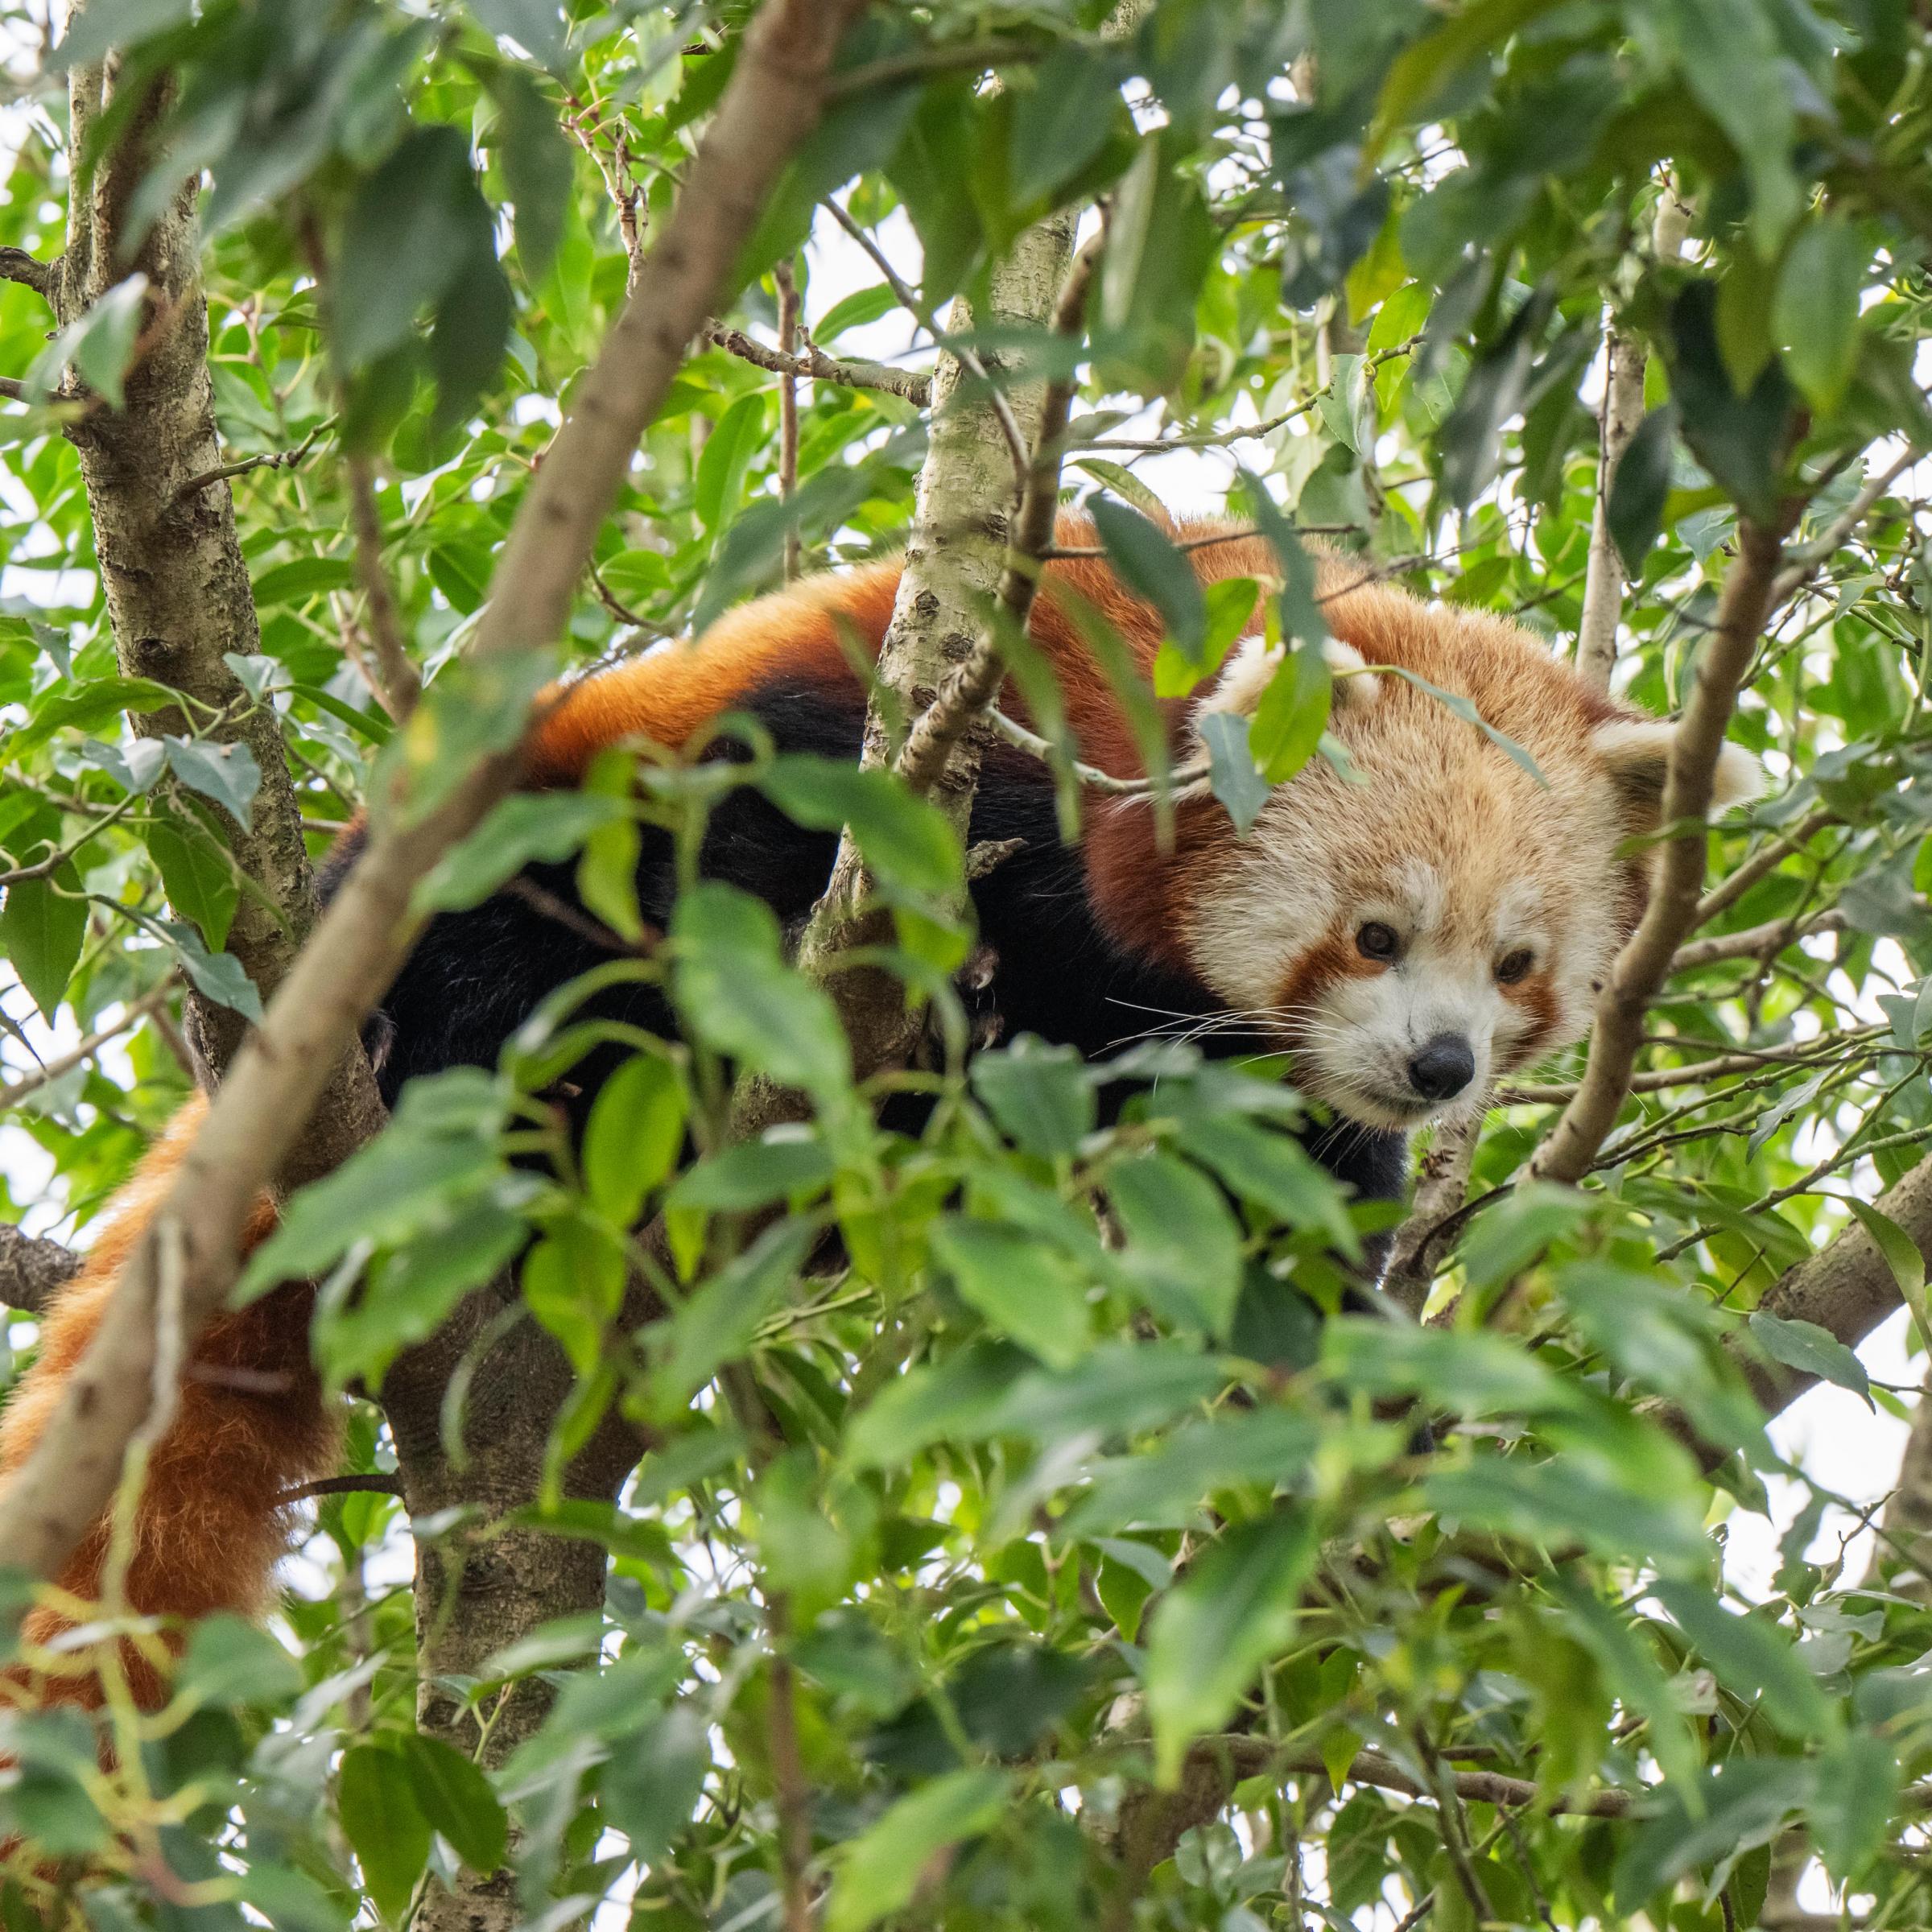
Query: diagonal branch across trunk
{"x":773,"y":100}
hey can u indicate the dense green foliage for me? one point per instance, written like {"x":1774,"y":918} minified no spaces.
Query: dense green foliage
{"x":1066,"y":1478}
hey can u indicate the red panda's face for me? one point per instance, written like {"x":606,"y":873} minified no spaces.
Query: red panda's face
{"x":1441,"y":918}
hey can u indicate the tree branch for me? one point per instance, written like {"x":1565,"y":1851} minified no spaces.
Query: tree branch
{"x":772,"y":100}
{"x":1642,"y":966}
{"x":1846,"y":1288}
{"x":400,"y":682}
{"x":32,"y":1270}
{"x":176,"y":583}
{"x":812,"y":362}
{"x":976,"y":683}
{"x":1623,"y":409}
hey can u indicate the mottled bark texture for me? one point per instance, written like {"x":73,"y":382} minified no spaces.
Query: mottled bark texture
{"x":969,"y":490}
{"x":32,"y":1270}
{"x":176,"y":584}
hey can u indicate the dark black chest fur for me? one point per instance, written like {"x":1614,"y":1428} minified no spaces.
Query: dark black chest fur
{"x":476,"y":976}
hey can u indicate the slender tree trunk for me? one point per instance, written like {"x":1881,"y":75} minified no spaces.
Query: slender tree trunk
{"x":175,"y":581}
{"x":968,"y":489}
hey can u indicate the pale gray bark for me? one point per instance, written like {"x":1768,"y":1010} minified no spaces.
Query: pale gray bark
{"x":176,"y":584}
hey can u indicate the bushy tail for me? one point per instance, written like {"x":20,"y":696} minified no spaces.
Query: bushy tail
{"x":251,"y":1423}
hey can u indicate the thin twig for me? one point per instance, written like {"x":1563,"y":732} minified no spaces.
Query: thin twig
{"x":373,"y":1483}
{"x":967,"y":356}
{"x":786,"y":283}
{"x":278,"y":459}
{"x":398,"y":683}
{"x":810,"y":361}
{"x":14,"y":1092}
{"x":1017,"y":735}
{"x":1767,"y":858}
{"x":791,"y":1791}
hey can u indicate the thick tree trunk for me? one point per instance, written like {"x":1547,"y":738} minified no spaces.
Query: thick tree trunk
{"x":480,"y":1586}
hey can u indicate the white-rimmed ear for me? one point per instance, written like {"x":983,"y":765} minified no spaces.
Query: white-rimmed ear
{"x":1251,"y":666}
{"x":1636,"y":753}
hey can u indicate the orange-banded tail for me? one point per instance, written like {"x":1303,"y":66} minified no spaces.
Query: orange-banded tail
{"x":251,"y":1423}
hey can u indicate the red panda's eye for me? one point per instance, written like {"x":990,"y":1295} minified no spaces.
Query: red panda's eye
{"x":1514,"y":966}
{"x":1376,"y":941}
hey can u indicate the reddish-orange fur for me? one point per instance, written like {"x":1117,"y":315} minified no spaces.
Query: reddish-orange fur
{"x":252,"y":1423}
{"x":209,"y":1530}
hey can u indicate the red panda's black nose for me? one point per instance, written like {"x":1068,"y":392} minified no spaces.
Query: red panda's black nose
{"x":1443,"y":1068}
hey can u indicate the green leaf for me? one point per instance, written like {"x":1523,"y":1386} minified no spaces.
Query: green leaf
{"x":1231,"y":771}
{"x":1124,"y":483}
{"x":717,"y":1323}
{"x":42,"y":925}
{"x":1640,"y":487}
{"x":635,"y":1135}
{"x":1041,"y":1096}
{"x":1753,"y":1659}
{"x":855,"y":311}
{"x":229,"y":1661}
{"x":733,"y":987}
{"x":1566,"y":1500}
{"x":907,"y":840}
{"x":1025,"y":1288}
{"x":455,"y":1796}
{"x":1292,"y":715}
{"x":1272,"y":1170}
{"x":1166,"y":1484}
{"x":108,"y":24}
{"x":653,"y":1780}
{"x":437,"y":1155}
{"x":1741,"y":1803}
{"x":538,"y":26}
{"x":937,"y":1399}
{"x":1148,"y":563}
{"x":728,"y":450}
{"x":1901,"y":1255}
{"x":376,"y":1801}
{"x":538,"y":166}
{"x":756,"y":1172}
{"x":88,"y":707}
{"x":1740,"y":440}
{"x":1853,"y":1807}
{"x":1184,"y":1250}
{"x":1471,"y":442}
{"x":227,"y":773}
{"x":219,"y":976}
{"x":879,"y":1871}
{"x":409,"y":233}
{"x":100,"y":345}
{"x":1812,"y":1350}
{"x":200,"y":883}
{"x":1816,"y":311}
{"x":573,"y":1283}
{"x":410,"y":1293}
{"x":1211,"y":1635}
{"x":1728,"y":53}
{"x":531,"y":826}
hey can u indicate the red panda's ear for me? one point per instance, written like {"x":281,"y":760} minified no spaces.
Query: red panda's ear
{"x":1637,"y":753}
{"x":1251,"y":667}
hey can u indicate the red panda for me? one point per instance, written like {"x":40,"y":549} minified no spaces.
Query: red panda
{"x":1408,"y":932}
